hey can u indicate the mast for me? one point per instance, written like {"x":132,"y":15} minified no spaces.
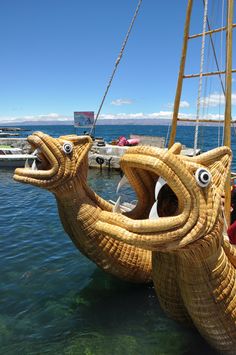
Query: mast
{"x":228,"y":99}
{"x":228,"y":78}
{"x":181,"y":74}
{"x":228,"y":82}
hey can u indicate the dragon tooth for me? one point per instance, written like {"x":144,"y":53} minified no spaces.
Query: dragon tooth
{"x":121,"y":183}
{"x":153,"y":213}
{"x":36,"y":151}
{"x":160,"y":183}
{"x":116,"y":208}
{"x":34,"y":166}
{"x":27,"y":164}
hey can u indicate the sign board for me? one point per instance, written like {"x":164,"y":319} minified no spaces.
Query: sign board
{"x":83,"y":119}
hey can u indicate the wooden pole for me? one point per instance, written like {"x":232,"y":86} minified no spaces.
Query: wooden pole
{"x":210,"y":32}
{"x":181,"y":73}
{"x":228,"y":100}
{"x":190,"y":76}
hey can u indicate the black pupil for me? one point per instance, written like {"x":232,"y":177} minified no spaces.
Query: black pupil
{"x":67,"y":148}
{"x":204,"y":177}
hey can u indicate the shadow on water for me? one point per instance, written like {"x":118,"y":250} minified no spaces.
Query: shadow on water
{"x":123,"y":318}
{"x":107,"y":316}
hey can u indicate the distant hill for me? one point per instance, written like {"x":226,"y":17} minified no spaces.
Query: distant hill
{"x":110,"y":122}
{"x":99,"y":122}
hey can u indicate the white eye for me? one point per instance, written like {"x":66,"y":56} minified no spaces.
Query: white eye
{"x":203,"y":177}
{"x":67,"y":147}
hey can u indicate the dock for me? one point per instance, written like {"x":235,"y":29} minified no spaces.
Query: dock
{"x":108,"y":157}
{"x":9,"y":132}
{"x":102,"y":155}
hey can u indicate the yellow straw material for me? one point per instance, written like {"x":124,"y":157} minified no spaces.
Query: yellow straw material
{"x":193,"y":265}
{"x":62,"y":169}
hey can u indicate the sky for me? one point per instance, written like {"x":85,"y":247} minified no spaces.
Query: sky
{"x":57,"y":57}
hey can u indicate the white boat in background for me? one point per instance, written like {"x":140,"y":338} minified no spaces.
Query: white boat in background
{"x":14,"y":157}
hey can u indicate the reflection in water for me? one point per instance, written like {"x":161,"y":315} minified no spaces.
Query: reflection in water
{"x":54,"y":300}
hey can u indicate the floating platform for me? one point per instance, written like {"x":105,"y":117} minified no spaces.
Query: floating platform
{"x":14,"y":152}
{"x":16,"y":160}
{"x":101,"y":156}
{"x":108,"y":156}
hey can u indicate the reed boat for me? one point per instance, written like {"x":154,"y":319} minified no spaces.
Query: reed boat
{"x":61,"y":168}
{"x":193,"y":262}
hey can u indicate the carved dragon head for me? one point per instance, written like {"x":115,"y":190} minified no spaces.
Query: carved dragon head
{"x":180,"y":212}
{"x":58,"y":160}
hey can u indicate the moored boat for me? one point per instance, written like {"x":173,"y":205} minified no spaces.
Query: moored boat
{"x":193,"y":263}
{"x":14,"y":157}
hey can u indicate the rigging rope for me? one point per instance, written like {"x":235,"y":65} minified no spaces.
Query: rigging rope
{"x":221,"y":63}
{"x":116,"y":64}
{"x":214,"y":51}
{"x":200,"y":77}
{"x":167,"y":135}
{"x":207,"y":88}
{"x":218,"y":66}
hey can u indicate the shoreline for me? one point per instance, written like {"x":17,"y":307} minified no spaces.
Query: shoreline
{"x":111,"y":122}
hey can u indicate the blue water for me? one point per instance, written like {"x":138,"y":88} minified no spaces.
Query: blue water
{"x":209,"y":137}
{"x":55,"y":301}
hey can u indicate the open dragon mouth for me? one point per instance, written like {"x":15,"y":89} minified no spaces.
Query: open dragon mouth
{"x":160,"y":200}
{"x":165,"y":199}
{"x":45,"y":166}
{"x":57,"y":160}
{"x":166,"y":204}
{"x":158,"y":188}
{"x":41,"y":162}
{"x":175,"y":195}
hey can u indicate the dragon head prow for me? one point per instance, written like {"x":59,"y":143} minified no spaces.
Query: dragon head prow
{"x":59,"y":160}
{"x":188,"y":205}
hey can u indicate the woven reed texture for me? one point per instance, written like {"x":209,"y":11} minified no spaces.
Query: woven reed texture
{"x":206,"y":280}
{"x":65,"y":175}
{"x":193,"y":266}
{"x":165,"y":273}
{"x":230,"y":251}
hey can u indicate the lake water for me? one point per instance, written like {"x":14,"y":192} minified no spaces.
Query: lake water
{"x":53,"y":300}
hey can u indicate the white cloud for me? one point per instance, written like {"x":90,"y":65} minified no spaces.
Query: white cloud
{"x":159,"y":115}
{"x":138,"y":115}
{"x":35,"y":118}
{"x":233,"y":99}
{"x":215,"y":99}
{"x":183,"y":104}
{"x":120,"y":102}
